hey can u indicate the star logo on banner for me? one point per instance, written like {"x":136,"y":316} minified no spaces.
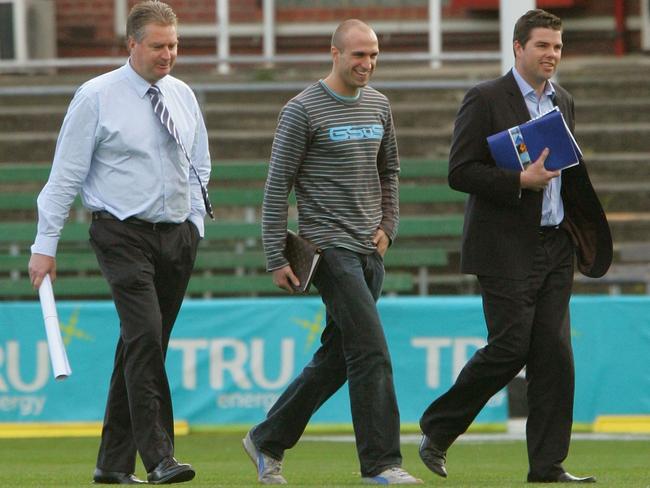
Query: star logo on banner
{"x":70,"y":330}
{"x":314,"y":327}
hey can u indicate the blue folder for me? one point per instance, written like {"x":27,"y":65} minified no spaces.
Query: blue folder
{"x":515,"y":148}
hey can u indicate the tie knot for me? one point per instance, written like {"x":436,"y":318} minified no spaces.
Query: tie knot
{"x":153,"y":90}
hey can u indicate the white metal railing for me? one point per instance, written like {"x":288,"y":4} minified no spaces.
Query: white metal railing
{"x":223,"y":37}
{"x":89,"y":62}
{"x":201,"y":89}
{"x":269,"y":29}
{"x":510,"y":11}
{"x":19,"y":18}
{"x":269,"y":32}
{"x":645,"y":25}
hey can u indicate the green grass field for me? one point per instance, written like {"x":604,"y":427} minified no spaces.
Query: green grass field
{"x":220,"y":461}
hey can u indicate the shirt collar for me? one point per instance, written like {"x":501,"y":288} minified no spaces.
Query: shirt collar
{"x":139,"y":83}
{"x":526,"y":89}
{"x":342,"y":98}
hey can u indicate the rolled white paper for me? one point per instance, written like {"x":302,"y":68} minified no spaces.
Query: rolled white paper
{"x":58,"y":357}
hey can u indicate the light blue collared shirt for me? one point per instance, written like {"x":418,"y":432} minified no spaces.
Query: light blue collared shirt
{"x":115,"y":152}
{"x":552,"y":206}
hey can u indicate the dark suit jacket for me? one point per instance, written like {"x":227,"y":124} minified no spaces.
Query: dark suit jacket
{"x":501,"y":222}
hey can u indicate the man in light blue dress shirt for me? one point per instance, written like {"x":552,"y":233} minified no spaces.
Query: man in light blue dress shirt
{"x":147,"y":219}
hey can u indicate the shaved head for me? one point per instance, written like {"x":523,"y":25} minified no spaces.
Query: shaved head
{"x":354,"y":56}
{"x":341,"y":33}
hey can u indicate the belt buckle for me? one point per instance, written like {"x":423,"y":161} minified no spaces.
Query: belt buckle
{"x":160,"y":226}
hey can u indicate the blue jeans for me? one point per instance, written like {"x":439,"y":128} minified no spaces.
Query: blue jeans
{"x":353,"y":348}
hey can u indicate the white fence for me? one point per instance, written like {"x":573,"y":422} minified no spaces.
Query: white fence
{"x":268,"y":30}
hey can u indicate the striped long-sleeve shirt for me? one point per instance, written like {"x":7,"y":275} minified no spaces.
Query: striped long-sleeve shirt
{"x":341,"y":158}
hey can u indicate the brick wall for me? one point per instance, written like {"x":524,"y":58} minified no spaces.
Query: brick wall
{"x":85,"y":27}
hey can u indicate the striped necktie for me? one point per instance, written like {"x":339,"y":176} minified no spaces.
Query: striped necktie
{"x":165,"y":118}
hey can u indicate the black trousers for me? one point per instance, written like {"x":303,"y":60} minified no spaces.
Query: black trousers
{"x":148,"y":270}
{"x":528,"y":325}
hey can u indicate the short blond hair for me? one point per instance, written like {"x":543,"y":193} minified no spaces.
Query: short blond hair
{"x":145,"y":13}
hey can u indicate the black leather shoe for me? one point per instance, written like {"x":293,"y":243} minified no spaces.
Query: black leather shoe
{"x":563,"y":478}
{"x":433,"y":457}
{"x":115,"y":478}
{"x":170,"y":471}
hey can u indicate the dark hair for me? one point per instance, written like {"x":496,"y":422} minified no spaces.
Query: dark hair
{"x":148,"y":12}
{"x":533,"y":19}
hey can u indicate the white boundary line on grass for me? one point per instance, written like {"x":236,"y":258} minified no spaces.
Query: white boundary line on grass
{"x":485,"y":438}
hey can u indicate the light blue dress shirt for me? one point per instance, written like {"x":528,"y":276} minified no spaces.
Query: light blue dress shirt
{"x":552,"y":206}
{"x":115,"y":152}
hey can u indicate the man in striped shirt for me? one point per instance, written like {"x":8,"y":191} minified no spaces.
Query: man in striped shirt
{"x":335,"y":146}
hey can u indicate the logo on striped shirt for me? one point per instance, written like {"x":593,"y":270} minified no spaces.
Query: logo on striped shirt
{"x":356,"y":132}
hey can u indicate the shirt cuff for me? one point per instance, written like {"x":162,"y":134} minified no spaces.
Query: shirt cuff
{"x":199,"y":222}
{"x":276,"y":262}
{"x":45,"y":245}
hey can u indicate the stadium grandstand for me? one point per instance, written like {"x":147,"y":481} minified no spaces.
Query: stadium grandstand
{"x":241,"y":108}
{"x":245,"y":59}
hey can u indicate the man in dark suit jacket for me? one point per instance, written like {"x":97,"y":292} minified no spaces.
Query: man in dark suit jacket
{"x":520,"y":235}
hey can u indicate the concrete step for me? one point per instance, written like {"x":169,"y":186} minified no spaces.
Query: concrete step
{"x":594,"y":71}
{"x":48,"y":96}
{"x":632,"y":252}
{"x":27,"y":118}
{"x":618,"y":166}
{"x":631,"y":109}
{"x":424,"y":141}
{"x":416,"y":90}
{"x":248,"y":93}
{"x":613,"y":88}
{"x":429,"y":111}
{"x":253,"y":114}
{"x":228,"y":116}
{"x":595,"y":138}
{"x":605,"y":67}
{"x":629,"y":226}
{"x":224,"y":144}
{"x":624,"y":196}
{"x":571,"y":66}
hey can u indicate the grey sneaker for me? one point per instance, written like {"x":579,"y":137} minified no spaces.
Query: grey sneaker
{"x":393,"y":476}
{"x":268,"y":469}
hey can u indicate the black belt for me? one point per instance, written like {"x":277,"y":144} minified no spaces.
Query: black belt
{"x":547,"y":229}
{"x":104,"y":215}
